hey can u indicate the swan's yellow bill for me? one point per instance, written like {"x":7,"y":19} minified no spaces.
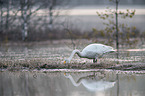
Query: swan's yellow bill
{"x":64,"y":62}
{"x":64,"y":73}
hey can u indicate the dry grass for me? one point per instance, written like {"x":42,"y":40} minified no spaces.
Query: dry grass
{"x":50,"y":55}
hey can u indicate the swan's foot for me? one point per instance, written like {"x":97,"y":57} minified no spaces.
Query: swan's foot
{"x":94,"y":60}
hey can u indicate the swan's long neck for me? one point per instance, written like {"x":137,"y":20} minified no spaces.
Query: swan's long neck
{"x":73,"y":53}
{"x":73,"y":81}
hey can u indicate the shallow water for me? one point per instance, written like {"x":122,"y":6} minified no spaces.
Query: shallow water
{"x":99,"y":83}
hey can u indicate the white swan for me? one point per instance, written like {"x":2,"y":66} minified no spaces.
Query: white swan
{"x":92,"y":51}
{"x":92,"y":84}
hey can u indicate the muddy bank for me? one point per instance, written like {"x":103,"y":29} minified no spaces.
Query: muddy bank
{"x":81,"y":66}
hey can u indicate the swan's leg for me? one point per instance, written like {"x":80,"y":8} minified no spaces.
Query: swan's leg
{"x":95,"y":59}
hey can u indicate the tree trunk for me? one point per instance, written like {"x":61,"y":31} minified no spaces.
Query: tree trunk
{"x":1,"y":19}
{"x":50,"y":26}
{"x":24,"y":9}
{"x":117,"y":37}
{"x":7,"y":17}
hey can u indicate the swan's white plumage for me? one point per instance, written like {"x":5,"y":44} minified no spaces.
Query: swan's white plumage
{"x":92,"y":51}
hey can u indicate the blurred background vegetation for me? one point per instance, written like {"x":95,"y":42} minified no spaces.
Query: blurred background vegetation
{"x":39,"y":20}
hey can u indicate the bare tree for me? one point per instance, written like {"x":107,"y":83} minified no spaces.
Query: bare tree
{"x":24,"y":15}
{"x":53,"y":12}
{"x":117,"y":38}
{"x":1,"y":16}
{"x":5,"y":8}
{"x":6,"y":19}
{"x":27,"y":11}
{"x":50,"y":5}
{"x":8,"y":14}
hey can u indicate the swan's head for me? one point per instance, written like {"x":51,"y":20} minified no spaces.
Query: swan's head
{"x":66,"y":61}
{"x":66,"y":75}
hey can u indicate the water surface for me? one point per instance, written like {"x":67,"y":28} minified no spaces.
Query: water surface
{"x":99,"y":83}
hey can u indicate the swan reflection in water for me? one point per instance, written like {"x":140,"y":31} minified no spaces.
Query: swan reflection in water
{"x":92,"y":83}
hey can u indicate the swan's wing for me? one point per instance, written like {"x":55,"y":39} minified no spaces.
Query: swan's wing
{"x":98,"y":48}
{"x":90,"y":54}
{"x":94,"y":48}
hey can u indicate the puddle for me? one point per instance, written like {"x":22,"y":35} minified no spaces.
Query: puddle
{"x":67,"y":83}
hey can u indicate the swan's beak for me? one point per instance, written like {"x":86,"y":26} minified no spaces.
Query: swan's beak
{"x":64,"y":62}
{"x":64,"y":74}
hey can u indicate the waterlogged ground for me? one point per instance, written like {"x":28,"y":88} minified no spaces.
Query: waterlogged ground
{"x":50,"y":55}
{"x":37,"y":69}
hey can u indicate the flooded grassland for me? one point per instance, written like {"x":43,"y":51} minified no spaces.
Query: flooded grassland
{"x":37,"y":69}
{"x":46,"y":55}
